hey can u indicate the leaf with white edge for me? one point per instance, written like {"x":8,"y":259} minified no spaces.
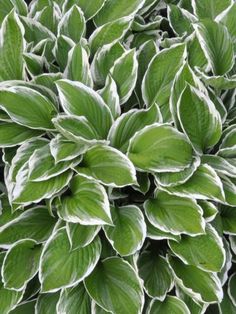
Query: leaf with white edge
{"x":167,"y":179}
{"x":63,"y":150}
{"x":24,"y":307}
{"x":200,"y":285}
{"x":115,"y":286}
{"x":228,"y":145}
{"x":77,"y":129}
{"x":62,"y":47}
{"x":11,"y":48}
{"x":204,"y":251}
{"x":74,"y":300}
{"x":47,"y":303}
{"x":171,"y":304}
{"x":72,"y":24}
{"x":109,"y":33}
{"x":90,"y":8}
{"x":26,"y":226}
{"x":127,"y":63}
{"x":9,"y":299}
{"x":12,"y":134}
{"x":129,"y":123}
{"x":193,"y":306}
{"x":108,"y":165}
{"x":220,"y":164}
{"x":177,"y":215}
{"x":154,"y":270}
{"x":79,"y":99}
{"x":156,"y":234}
{"x":217,"y":45}
{"x":110,"y":95}
{"x":87,"y":203}
{"x":226,"y":306}
{"x":160,"y":148}
{"x":228,"y":216}
{"x":81,"y":235}
{"x":227,"y":18}
{"x":157,"y":82}
{"x":129,"y":231}
{"x":223,"y":275}
{"x":203,"y":184}
{"x":22,"y":253}
{"x":232,"y":288}
{"x":232,"y":240}
{"x":199,"y":119}
{"x":209,"y":8}
{"x":60,"y":267}
{"x":113,"y":10}
{"x":36,"y":111}
{"x":180,"y":20}
{"x":209,"y":210}
{"x":229,"y":187}
{"x":104,"y":60}
{"x":78,"y":68}
{"x":218,"y":82}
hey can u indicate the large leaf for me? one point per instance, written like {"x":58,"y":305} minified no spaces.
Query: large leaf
{"x":125,"y":84}
{"x":199,"y":119}
{"x":129,"y":123}
{"x":203,"y":184}
{"x":170,"y":305}
{"x":9,"y":299}
{"x":22,"y":253}
{"x":108,"y":165}
{"x":60,"y":267}
{"x":160,"y":148}
{"x":217,"y":46}
{"x":156,"y":274}
{"x":129,"y":230}
{"x":36,"y":111}
{"x":113,"y":10}
{"x":27,"y":226}
{"x":181,"y":20}
{"x":47,"y":303}
{"x":90,"y":8}
{"x":200,"y":285}
{"x":109,"y":33}
{"x":74,"y":300}
{"x":175,"y":214}
{"x":11,"y":48}
{"x":205,"y":251}
{"x":87,"y":203}
{"x":115,"y":286}
{"x":209,"y":8}
{"x":161,"y":72}
{"x":227,"y":18}
{"x":78,"y":99}
{"x":228,"y":215}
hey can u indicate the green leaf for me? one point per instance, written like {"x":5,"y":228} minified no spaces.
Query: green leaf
{"x":129,"y":123}
{"x":34,"y":63}
{"x":89,"y":8}
{"x":180,"y":20}
{"x":128,"y":233}
{"x":228,"y":215}
{"x":156,"y":234}
{"x":205,"y":251}
{"x":227,"y":18}
{"x":74,"y":300}
{"x":49,"y":17}
{"x":160,"y":148}
{"x":156,"y":274}
{"x":218,"y":82}
{"x":22,"y":253}
{"x":127,"y":63}
{"x":157,"y":82}
{"x":24,"y":307}
{"x":199,"y":119}
{"x":113,"y":10}
{"x":115,"y":286}
{"x":203,"y":184}
{"x":78,"y":68}
{"x":169,"y":179}
{"x":228,"y":144}
{"x":72,"y":24}
{"x":63,"y":46}
{"x":60,"y":267}
{"x":81,"y":235}
{"x":209,"y":210}
{"x":27,"y":226}
{"x":47,"y":303}
{"x":209,"y":8}
{"x":9,"y":299}
{"x":226,"y":306}
{"x":220,"y":164}
{"x":200,"y":285}
{"x":178,"y":215}
{"x":11,"y":48}
{"x":12,"y":134}
{"x":35,"y":111}
{"x":108,"y":165}
{"x":78,"y":99}
{"x":217,"y":45}
{"x":87,"y":203}
{"x":232,"y":288}
{"x":171,"y":304}
{"x":109,"y":33}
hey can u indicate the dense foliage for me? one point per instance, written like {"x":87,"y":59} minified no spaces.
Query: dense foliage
{"x":118,"y":146}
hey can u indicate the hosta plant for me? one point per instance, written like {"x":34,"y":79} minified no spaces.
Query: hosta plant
{"x":118,"y":156}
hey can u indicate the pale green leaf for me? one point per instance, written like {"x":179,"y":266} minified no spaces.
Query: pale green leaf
{"x":171,"y":304}
{"x":209,"y":8}
{"x":90,"y":8}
